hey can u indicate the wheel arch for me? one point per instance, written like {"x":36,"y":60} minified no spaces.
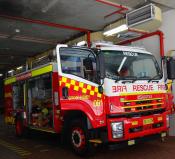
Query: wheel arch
{"x":71,"y":115}
{"x":82,"y":107}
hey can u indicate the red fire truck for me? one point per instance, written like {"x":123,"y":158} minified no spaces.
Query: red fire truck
{"x":109,"y":94}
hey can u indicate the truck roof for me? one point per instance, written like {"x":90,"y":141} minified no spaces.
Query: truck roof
{"x":109,"y":46}
{"x":126,"y":48}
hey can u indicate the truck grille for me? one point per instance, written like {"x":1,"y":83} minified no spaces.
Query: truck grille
{"x":141,"y":105}
{"x":141,"y":128}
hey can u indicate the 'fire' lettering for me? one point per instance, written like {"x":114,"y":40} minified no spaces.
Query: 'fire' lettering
{"x":116,"y":89}
{"x":161,"y":87}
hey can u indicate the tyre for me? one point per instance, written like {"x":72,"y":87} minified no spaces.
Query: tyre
{"x":79,"y":139}
{"x":19,"y":128}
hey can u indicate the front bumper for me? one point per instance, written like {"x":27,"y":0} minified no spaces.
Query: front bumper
{"x":138,"y":127}
{"x":113,"y":146}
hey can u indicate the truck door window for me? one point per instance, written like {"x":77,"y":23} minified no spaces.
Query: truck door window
{"x":78,"y":62}
{"x":40,"y":101}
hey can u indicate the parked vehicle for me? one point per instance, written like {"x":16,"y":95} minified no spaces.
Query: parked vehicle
{"x":108,"y":94}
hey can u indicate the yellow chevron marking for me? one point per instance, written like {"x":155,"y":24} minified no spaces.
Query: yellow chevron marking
{"x":84,"y":90}
{"x":92,"y":93}
{"x":89,"y":87}
{"x":18,"y":150}
{"x":68,"y":85}
{"x":99,"y":95}
{"x":76,"y":88}
{"x":64,"y":79}
{"x":96,"y":90}
{"x":81,"y":85}
{"x":72,"y":82}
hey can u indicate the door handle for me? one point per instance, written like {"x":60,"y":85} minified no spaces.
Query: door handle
{"x":65,"y":92}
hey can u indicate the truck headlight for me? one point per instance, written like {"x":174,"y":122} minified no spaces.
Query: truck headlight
{"x":168,"y":121}
{"x":117,"y":129}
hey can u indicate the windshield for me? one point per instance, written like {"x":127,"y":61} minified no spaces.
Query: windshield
{"x":131,"y":65}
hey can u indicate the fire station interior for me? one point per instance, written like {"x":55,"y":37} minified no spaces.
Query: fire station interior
{"x":30,"y":32}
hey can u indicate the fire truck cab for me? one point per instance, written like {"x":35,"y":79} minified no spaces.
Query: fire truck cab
{"x":110,"y":94}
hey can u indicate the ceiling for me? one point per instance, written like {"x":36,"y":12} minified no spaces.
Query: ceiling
{"x":19,"y":39}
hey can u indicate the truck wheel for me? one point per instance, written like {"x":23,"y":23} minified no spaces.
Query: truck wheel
{"x":79,"y":139}
{"x":19,"y":128}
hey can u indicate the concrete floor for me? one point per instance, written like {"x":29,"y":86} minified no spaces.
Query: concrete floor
{"x":44,"y":146}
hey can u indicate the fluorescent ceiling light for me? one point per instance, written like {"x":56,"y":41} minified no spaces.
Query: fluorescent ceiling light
{"x":19,"y":68}
{"x":17,"y":30}
{"x":49,"y":5}
{"x":42,"y":57}
{"x":81,"y":43}
{"x":10,"y":71}
{"x":116,"y":30}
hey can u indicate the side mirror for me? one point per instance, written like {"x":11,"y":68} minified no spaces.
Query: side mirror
{"x":170,"y":62}
{"x":100,"y":89}
{"x":101,"y":65}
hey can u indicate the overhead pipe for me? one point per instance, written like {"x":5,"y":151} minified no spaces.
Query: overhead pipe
{"x":35,"y":40}
{"x":8,"y":55}
{"x":112,"y":4}
{"x":116,"y":12}
{"x":120,"y":7}
{"x":158,"y":33}
{"x":28,"y":39}
{"x":89,"y":38}
{"x":138,"y":31}
{"x":46,"y":23}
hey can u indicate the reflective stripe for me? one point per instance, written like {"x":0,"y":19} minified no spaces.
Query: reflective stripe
{"x":124,"y":101}
{"x":42,"y":70}
{"x":8,"y":95}
{"x":36,"y":72}
{"x":9,"y":120}
{"x":10,"y":80}
{"x":44,"y":129}
{"x":145,"y":105}
{"x":136,"y":93}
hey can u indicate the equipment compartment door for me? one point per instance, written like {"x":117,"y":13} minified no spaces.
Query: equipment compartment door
{"x":19,"y":95}
{"x":40,"y":105}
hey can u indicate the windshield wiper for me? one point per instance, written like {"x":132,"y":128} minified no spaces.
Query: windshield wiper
{"x":116,"y":78}
{"x":154,"y":78}
{"x":130,"y":78}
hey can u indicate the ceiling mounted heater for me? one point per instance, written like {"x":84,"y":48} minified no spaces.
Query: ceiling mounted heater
{"x":146,"y":18}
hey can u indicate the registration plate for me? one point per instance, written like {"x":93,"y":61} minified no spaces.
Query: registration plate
{"x":148,"y":121}
{"x":163,"y":134}
{"x":131,"y":142}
